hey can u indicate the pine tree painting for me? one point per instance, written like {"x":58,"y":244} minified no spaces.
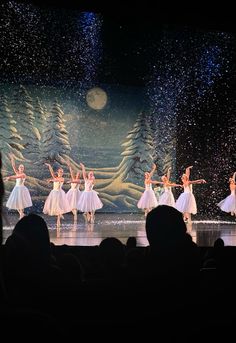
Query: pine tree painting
{"x":56,"y":146}
{"x":10,"y":141}
{"x":22,"y":110}
{"x":139,"y":150}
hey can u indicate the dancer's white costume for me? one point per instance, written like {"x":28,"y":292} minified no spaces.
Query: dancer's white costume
{"x":19,"y":197}
{"x":89,"y":200}
{"x":186,"y":201}
{"x":148,"y":199}
{"x":56,"y":202}
{"x":73,"y":196}
{"x":167,"y":197}
{"x":229,"y":203}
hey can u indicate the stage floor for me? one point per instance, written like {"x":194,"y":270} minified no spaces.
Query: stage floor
{"x":122,"y":226}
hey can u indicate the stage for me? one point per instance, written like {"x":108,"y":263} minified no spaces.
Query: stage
{"x":122,"y":226}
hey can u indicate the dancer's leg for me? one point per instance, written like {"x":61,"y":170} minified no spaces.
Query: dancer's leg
{"x":187,"y":217}
{"x":21,"y":213}
{"x":86,"y":217}
{"x":89,"y":217}
{"x":58,"y":221}
{"x":74,"y":211}
{"x":92,"y":217}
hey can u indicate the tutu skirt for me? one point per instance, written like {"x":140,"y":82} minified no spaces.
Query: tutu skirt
{"x":228,"y":204}
{"x":19,"y":198}
{"x":72,"y":197}
{"x":186,"y":203}
{"x":56,"y":203}
{"x":148,"y":200}
{"x":167,"y":198}
{"x":89,"y":201}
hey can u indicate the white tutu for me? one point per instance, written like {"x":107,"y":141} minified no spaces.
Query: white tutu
{"x":167,"y":197}
{"x":56,"y":202}
{"x":19,"y":197}
{"x":89,"y":201}
{"x":228,"y":204}
{"x":186,"y":202}
{"x":148,"y":199}
{"x":73,"y":196}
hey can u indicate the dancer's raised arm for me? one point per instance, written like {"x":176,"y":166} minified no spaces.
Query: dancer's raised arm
{"x":168,"y":173}
{"x":187,"y":171}
{"x":50,"y":169}
{"x":71,"y":171}
{"x":234,"y":175}
{"x":13,"y":163}
{"x":83,"y":171}
{"x":154,"y":167}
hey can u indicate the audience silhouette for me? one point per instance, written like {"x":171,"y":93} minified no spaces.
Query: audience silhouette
{"x":171,"y":247}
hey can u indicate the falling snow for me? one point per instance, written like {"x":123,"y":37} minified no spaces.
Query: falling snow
{"x":188,"y":78}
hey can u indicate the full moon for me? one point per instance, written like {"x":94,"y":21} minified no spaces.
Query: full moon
{"x":96,"y":98}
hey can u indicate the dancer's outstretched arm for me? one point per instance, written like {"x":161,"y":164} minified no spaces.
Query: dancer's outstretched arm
{"x":197,"y":181}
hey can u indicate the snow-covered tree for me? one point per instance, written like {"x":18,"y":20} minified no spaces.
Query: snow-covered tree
{"x":40,"y":117}
{"x":164,"y":137}
{"x":138,"y":150}
{"x":151,"y":121}
{"x":10,"y":141}
{"x":56,"y":146}
{"x":22,"y":110}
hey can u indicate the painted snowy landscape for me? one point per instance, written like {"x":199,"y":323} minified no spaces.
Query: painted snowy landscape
{"x":44,"y":125}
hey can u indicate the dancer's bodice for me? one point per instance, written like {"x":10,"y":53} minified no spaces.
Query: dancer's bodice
{"x":57,"y":185}
{"x":188,"y":189}
{"x":74,"y":185}
{"x":20,"y":182}
{"x":148,"y":186}
{"x":88,"y":186}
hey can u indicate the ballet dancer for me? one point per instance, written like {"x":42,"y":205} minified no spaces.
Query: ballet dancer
{"x":148,"y":199}
{"x":186,"y":202}
{"x":229,"y":203}
{"x":167,"y":197}
{"x":56,"y":203}
{"x":89,"y":201}
{"x":73,"y":194}
{"x":19,"y":198}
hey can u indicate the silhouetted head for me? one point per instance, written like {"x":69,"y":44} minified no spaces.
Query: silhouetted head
{"x":111,"y":251}
{"x":131,"y":242}
{"x":29,"y":241}
{"x":219,"y":243}
{"x":165,"y":226}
